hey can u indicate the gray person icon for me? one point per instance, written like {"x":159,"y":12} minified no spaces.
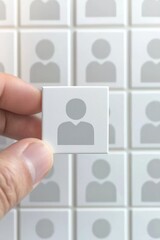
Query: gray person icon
{"x":1,"y":67}
{"x":48,"y":10}
{"x":112,"y":133}
{"x":151,"y":8}
{"x":112,"y":137}
{"x":150,"y":133}
{"x":100,"y":8}
{"x":46,"y":192}
{"x":45,"y":228}
{"x":101,"y":192}
{"x":75,"y":134}
{"x":153,"y":228}
{"x":101,"y":70}
{"x":151,"y":189}
{"x":101,"y":228}
{"x":48,"y":72}
{"x":2,"y":10}
{"x":151,"y":69}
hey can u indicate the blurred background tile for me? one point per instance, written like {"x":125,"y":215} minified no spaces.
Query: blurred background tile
{"x":101,"y":180}
{"x":101,"y":58}
{"x":101,"y":224}
{"x":45,"y":13}
{"x":46,"y":60}
{"x":45,"y":224}
{"x":146,"y":58}
{"x":8,"y":13}
{"x":146,"y":12}
{"x":94,"y":12}
{"x":8,"y":55}
{"x":146,"y":224}
{"x":146,"y":120}
{"x":8,"y":226}
{"x":146,"y":179}
{"x":118,"y":122}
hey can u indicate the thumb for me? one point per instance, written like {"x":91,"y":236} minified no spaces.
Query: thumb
{"x":22,"y":165}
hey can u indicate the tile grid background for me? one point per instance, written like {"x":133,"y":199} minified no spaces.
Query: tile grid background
{"x":73,"y":28}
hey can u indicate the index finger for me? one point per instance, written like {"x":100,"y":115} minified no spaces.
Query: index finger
{"x":18,"y":96}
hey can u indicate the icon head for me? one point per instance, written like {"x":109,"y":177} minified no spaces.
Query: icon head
{"x":76,"y":109}
{"x":45,"y":228}
{"x":101,"y":228}
{"x":45,"y":49}
{"x":154,"y":168}
{"x":101,"y":169}
{"x":101,"y":49}
{"x":154,"y":228}
{"x":153,"y":48}
{"x":153,"y":111}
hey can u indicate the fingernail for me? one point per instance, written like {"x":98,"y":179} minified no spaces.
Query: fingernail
{"x":39,"y":159}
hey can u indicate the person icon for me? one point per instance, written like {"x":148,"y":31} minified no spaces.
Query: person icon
{"x":151,"y":189}
{"x":45,"y":72}
{"x":45,"y":10}
{"x":2,"y":10}
{"x":153,"y":228}
{"x":101,"y":192}
{"x":80,"y":134}
{"x":150,"y":71}
{"x":44,"y":228}
{"x":112,"y":133}
{"x":104,"y":71}
{"x":151,"y":8}
{"x":46,"y":192}
{"x":1,"y":67}
{"x":150,"y":133}
{"x":100,"y":8}
{"x":101,"y":228}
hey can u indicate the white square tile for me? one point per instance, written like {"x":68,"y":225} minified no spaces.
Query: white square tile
{"x":46,"y":60}
{"x":145,"y":179}
{"x":146,"y":224}
{"x":8,"y":12}
{"x":8,"y":55}
{"x":101,"y":58}
{"x":146,"y":58}
{"x":80,"y":124}
{"x":55,"y":189}
{"x":101,"y":180}
{"x":45,"y":12}
{"x":146,"y":12}
{"x":95,"y":12}
{"x":118,"y":123}
{"x":146,"y":120}
{"x":45,"y":224}
{"x":8,"y":226}
{"x":101,"y":224}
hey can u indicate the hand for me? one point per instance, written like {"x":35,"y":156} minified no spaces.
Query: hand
{"x":23,"y":164}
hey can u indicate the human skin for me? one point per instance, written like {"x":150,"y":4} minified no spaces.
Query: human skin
{"x":26,"y":162}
